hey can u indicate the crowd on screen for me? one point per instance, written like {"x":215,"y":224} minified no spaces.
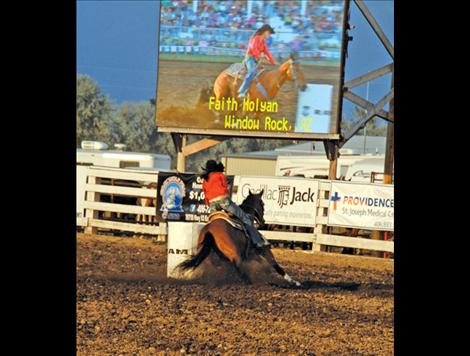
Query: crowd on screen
{"x":321,"y":17}
{"x":212,"y":14}
{"x":318,"y":16}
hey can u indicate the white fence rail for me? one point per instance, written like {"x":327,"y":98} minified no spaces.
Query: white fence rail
{"x":116,"y":182}
{"x":139,"y":184}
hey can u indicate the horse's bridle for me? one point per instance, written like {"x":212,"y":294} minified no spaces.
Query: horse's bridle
{"x":256,"y":215}
{"x":294,"y":73}
{"x":292,"y":69}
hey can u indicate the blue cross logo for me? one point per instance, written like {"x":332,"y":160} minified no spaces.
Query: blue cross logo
{"x":334,"y":199}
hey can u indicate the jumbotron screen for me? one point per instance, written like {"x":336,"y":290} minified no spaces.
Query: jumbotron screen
{"x":251,"y":68}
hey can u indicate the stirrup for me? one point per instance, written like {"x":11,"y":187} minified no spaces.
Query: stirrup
{"x":262,"y":247}
{"x":262,"y":244}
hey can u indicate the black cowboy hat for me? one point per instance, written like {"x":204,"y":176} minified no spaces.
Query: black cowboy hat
{"x":264,"y":28}
{"x":213,"y":166}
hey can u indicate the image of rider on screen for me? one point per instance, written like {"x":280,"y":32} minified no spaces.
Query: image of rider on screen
{"x":256,"y":47}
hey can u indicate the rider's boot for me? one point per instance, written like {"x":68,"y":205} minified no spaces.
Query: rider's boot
{"x":242,"y":95}
{"x":258,"y":239}
{"x":245,"y":86}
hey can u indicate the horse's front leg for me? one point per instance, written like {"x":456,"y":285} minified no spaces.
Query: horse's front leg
{"x":238,"y":267}
{"x":268,"y":255}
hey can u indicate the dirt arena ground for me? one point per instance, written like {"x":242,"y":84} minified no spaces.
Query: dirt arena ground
{"x":127,"y":306}
{"x":180,"y":84}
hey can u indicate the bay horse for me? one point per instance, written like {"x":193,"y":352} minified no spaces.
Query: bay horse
{"x":232,"y":245}
{"x":226,"y":86}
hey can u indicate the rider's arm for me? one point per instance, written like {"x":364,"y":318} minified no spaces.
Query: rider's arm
{"x":204,"y":189}
{"x":223,"y":181}
{"x":267,"y":54}
{"x":254,"y":47}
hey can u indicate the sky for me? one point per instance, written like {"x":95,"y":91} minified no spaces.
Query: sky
{"x":117,"y":46}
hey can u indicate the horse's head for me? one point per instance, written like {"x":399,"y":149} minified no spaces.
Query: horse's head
{"x":295,"y":73}
{"x":254,"y":204}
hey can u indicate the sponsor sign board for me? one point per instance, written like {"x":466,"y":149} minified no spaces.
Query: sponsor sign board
{"x":287,"y":201}
{"x":366,"y":206}
{"x":180,"y":197}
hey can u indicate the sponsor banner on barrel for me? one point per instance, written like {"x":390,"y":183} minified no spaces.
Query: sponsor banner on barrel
{"x":287,"y":201}
{"x":365,"y":206}
{"x":180,"y":197}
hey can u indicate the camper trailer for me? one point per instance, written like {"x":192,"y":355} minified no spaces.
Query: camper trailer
{"x":317,"y":165}
{"x":362,"y":171}
{"x":123,"y":159}
{"x":95,"y":153}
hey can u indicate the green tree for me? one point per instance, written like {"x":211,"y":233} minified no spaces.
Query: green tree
{"x":94,"y":113}
{"x":136,"y":128}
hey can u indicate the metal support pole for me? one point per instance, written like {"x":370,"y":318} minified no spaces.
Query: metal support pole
{"x":388,"y":166}
{"x":179,"y":140}
{"x":365,"y":126}
{"x":389,"y":148}
{"x":180,"y":158}
{"x":332,"y":153}
{"x":333,"y":169}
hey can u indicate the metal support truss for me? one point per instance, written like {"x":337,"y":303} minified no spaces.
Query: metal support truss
{"x":375,"y":26}
{"x":370,"y":115}
{"x":373,"y":110}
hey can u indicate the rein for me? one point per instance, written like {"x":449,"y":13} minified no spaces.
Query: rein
{"x":294,"y":74}
{"x":278,"y":86}
{"x":252,"y":211}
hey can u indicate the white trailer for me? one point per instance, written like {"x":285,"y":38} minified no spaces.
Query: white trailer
{"x":317,"y":165}
{"x":123,"y":159}
{"x":361,"y":171}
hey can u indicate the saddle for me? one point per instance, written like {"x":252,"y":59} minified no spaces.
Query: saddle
{"x":237,"y":224}
{"x":238,"y":71}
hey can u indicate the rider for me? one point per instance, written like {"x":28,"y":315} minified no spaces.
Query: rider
{"x":256,"y":47}
{"x":215,"y":190}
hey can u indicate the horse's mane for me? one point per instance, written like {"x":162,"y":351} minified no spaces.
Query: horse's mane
{"x":274,"y":70}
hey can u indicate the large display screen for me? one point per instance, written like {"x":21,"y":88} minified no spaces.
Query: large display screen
{"x":251,"y":68}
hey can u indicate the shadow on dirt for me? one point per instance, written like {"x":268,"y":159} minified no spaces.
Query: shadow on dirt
{"x":347,"y":286}
{"x":309,"y":285}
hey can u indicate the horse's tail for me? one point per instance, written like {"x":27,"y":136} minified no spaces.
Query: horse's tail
{"x":196,"y":260}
